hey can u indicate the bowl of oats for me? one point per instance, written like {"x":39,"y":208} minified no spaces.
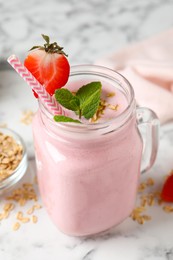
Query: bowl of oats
{"x":13,"y":159}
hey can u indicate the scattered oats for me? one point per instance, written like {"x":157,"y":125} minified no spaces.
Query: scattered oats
{"x":37,"y":206}
{"x":6,"y":214}
{"x":103,"y":103}
{"x":100,"y":111}
{"x":16,"y":226}
{"x":18,"y":198}
{"x":143,"y":201}
{"x":113,"y":107}
{"x":137,"y":211}
{"x":34,"y":219}
{"x":150,"y":182}
{"x":91,"y":120}
{"x":168,"y":209}
{"x":140,"y":209}
{"x":19,"y":215}
{"x":94,"y":118}
{"x":160,"y":201}
{"x":22,"y":201}
{"x":30,"y":211}
{"x":147,"y":199}
{"x":23,"y":194}
{"x":140,"y":220}
{"x":142,"y":187}
{"x":146,"y":217}
{"x":111,"y":94}
{"x":137,"y":216}
{"x":150,"y":199}
{"x":27,"y":117}
{"x":1,"y":216}
{"x":27,"y":185}
{"x":25,"y":220}
{"x":8,"y":206}
{"x":157,"y":194}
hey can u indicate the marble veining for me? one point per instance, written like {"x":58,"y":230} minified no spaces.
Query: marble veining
{"x":88,"y":30}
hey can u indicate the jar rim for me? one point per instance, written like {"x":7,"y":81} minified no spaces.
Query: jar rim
{"x":87,"y":69}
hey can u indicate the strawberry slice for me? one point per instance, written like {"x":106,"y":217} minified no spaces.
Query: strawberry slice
{"x":49,"y":65}
{"x":167,"y":191}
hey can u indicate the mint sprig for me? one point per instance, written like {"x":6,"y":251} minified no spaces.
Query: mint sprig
{"x":66,"y":119}
{"x":67,"y":99}
{"x":89,"y":96}
{"x":85,"y":103}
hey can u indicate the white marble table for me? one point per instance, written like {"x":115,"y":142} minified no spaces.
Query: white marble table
{"x":88,"y":30}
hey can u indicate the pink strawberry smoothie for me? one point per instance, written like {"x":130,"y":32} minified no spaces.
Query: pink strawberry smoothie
{"x":88,"y":180}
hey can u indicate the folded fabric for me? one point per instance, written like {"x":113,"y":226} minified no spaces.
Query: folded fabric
{"x":148,"y":66}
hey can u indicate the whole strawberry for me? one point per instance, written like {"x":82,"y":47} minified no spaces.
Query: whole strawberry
{"x":49,"y":65}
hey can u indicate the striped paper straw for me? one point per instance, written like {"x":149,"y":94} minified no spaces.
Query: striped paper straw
{"x":44,"y":96}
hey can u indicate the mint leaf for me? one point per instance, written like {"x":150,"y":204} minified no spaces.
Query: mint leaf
{"x":65,"y":119}
{"x":84,"y":103}
{"x":89,"y":96}
{"x":67,"y":99}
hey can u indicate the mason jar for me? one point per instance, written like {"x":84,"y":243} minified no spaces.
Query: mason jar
{"x":88,"y":174}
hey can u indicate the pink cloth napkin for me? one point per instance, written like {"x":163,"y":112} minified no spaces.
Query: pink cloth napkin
{"x":148,"y":66}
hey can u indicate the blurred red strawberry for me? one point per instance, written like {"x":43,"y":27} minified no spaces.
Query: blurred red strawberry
{"x":49,"y":65}
{"x":167,"y":191}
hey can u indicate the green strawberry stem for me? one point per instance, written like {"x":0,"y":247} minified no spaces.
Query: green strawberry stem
{"x":50,"y":47}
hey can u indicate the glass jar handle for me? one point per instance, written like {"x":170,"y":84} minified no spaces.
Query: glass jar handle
{"x":148,"y":124}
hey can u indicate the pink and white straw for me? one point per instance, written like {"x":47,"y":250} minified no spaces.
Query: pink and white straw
{"x":44,"y":96}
